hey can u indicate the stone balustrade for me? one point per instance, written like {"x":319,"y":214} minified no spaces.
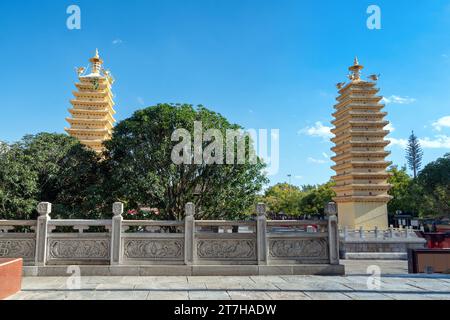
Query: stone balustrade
{"x":192,"y":243}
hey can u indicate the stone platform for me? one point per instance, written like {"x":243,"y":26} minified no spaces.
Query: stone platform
{"x":395,"y":284}
{"x":183,"y":270}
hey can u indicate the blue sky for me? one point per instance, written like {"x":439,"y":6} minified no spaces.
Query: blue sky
{"x":262,"y":64}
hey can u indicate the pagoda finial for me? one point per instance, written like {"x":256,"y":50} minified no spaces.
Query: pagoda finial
{"x":96,"y":63}
{"x":355,"y":70}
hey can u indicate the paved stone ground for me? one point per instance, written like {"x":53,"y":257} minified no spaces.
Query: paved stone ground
{"x":395,"y":283}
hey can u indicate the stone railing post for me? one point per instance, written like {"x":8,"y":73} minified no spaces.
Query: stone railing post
{"x":333,"y":232}
{"x":44,"y":209}
{"x":116,"y":233}
{"x":376,"y":232}
{"x":189,"y":233}
{"x":345,"y":233}
{"x":261,"y":233}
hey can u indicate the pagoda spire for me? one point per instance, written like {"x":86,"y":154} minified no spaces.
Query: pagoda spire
{"x":355,"y":70}
{"x":96,"y":63}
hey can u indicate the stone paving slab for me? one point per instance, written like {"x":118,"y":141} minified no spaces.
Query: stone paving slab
{"x":395,"y":283}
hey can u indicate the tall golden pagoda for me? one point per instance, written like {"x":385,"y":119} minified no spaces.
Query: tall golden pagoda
{"x":92,"y":109}
{"x":361,"y":178}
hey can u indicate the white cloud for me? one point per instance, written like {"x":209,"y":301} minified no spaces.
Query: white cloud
{"x":325,"y":155}
{"x":394,"y":99}
{"x":438,"y":142}
{"x":319,"y":161}
{"x":442,"y":122}
{"x":298,"y":177}
{"x":389,"y":127}
{"x":318,"y":130}
{"x":117,"y":41}
{"x":398,"y":142}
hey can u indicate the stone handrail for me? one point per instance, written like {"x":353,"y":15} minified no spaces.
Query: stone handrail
{"x":148,"y":242}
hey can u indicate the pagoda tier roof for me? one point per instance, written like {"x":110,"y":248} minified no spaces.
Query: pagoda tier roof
{"x":362,"y":187}
{"x":356,"y":84}
{"x":97,"y":132}
{"x":360,"y":124}
{"x":90,"y":86}
{"x":355,"y":107}
{"x":103,"y":102}
{"x":360,"y":144}
{"x":361,"y":164}
{"x":346,"y":135}
{"x":358,"y":98}
{"x":101,"y":113}
{"x":361,"y":154}
{"x":356,"y":115}
{"x":377,"y":198}
{"x":84,"y":121}
{"x":98,"y":94}
{"x":83,"y":108}
{"x":361,"y":175}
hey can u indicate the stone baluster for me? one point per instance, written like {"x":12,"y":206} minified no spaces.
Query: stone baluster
{"x":361,"y":232}
{"x":44,"y":209}
{"x":189,"y":233}
{"x":345,"y":233}
{"x":333,"y":232}
{"x":391,"y":231}
{"x":116,"y":233}
{"x":261,"y":233}
{"x":376,"y":232}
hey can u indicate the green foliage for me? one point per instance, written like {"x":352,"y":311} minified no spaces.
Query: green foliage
{"x":315,"y":199}
{"x":435,"y":181}
{"x":141,"y":171}
{"x":47,"y":167}
{"x":294,"y":201}
{"x":283,"y":197}
{"x":414,"y":154}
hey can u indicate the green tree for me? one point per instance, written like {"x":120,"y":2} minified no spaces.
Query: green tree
{"x":435,"y":181}
{"x":49,"y":167}
{"x":414,"y":154}
{"x":283,"y":197}
{"x":142,"y":173}
{"x":18,"y":183}
{"x":313,"y":202}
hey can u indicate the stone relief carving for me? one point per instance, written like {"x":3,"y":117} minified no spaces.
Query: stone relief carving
{"x":154,"y":249}
{"x":79,"y":249}
{"x":23,"y":248}
{"x":226,"y":249}
{"x":296,"y":248}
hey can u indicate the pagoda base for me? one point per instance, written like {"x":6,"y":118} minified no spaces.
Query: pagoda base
{"x":363,"y":214}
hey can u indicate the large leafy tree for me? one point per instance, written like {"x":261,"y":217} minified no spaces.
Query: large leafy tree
{"x":49,"y":167}
{"x":283,"y":197}
{"x":435,"y":180}
{"x":141,"y":172}
{"x":414,"y":154}
{"x":315,"y":199}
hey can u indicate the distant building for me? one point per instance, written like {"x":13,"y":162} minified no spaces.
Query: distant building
{"x":92,"y":113}
{"x":361,"y":177}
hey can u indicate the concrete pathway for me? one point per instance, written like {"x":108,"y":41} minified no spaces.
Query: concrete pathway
{"x":361,"y":282}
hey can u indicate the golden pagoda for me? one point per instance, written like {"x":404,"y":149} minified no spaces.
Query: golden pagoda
{"x":361,"y":178}
{"x":92,"y":108}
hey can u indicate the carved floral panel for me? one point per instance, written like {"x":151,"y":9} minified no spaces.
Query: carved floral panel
{"x":23,"y":248}
{"x":226,"y":249}
{"x":79,"y":249}
{"x":296,"y":248}
{"x":154,"y":249}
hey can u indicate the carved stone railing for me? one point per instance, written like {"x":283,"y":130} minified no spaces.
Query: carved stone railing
{"x":189,"y":242}
{"x":18,"y":239}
